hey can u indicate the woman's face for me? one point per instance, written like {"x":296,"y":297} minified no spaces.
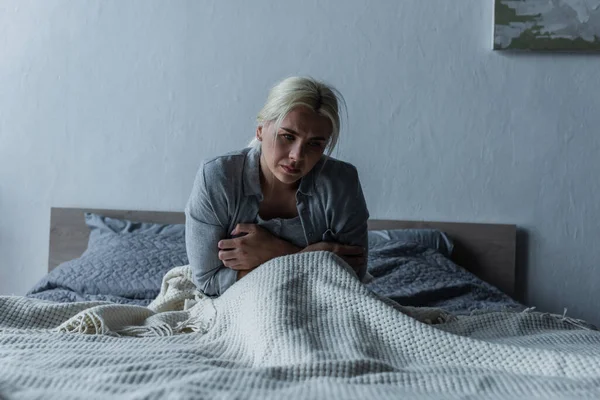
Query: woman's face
{"x":292,"y":151}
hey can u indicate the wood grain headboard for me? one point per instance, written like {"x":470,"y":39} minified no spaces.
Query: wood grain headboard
{"x":487,"y":250}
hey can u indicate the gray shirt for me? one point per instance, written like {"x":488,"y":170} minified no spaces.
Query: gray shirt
{"x":289,"y":229}
{"x":226,"y":192}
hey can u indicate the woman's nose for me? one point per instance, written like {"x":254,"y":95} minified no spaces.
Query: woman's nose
{"x":296,"y":152}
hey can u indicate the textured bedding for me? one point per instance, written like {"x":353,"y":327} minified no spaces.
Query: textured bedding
{"x":299,"y":326}
{"x":414,"y":275}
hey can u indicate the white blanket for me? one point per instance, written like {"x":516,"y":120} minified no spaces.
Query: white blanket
{"x":299,"y":326}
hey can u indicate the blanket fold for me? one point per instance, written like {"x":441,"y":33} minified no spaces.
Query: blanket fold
{"x":179,"y":308}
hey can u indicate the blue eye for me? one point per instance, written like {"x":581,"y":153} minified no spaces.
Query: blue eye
{"x":288,"y":137}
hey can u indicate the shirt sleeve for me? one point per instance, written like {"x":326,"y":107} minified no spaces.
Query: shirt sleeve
{"x":352,"y":226}
{"x":206,"y":223}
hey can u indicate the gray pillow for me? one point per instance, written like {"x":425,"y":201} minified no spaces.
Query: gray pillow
{"x":100,"y":226}
{"x":430,"y":238}
{"x":412,"y":274}
{"x":124,"y":259}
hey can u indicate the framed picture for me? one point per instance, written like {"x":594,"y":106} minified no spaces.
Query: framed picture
{"x":552,"y":25}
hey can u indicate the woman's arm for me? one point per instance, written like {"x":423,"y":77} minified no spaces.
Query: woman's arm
{"x":205,"y":224}
{"x":258,"y":246}
{"x":351,"y":223}
{"x":209,"y":274}
{"x":254,"y":247}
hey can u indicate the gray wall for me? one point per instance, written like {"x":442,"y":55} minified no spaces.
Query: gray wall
{"x":113,"y":104}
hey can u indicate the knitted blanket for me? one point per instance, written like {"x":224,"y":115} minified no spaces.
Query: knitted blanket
{"x":299,"y":326}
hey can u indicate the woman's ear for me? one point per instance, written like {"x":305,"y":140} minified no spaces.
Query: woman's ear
{"x":259,"y":133}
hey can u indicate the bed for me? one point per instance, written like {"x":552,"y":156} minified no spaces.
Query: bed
{"x":132,"y":325}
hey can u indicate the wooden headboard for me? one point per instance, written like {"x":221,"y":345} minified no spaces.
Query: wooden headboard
{"x":487,"y":250}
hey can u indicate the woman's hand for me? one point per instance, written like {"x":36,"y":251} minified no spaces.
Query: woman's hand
{"x":256,"y":247}
{"x":355,"y":256}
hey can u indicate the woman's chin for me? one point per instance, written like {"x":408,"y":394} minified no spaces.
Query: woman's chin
{"x":288,"y":179}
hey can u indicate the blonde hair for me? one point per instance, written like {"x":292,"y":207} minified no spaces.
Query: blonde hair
{"x":296,"y":91}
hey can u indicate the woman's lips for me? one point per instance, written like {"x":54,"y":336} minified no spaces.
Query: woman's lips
{"x":290,"y":170}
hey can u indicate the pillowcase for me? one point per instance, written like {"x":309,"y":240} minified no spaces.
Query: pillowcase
{"x":431,"y":238}
{"x":125,"y":259}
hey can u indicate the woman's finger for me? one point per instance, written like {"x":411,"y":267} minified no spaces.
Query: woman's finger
{"x":243,"y":228}
{"x":226,"y":244}
{"x":230,"y":263}
{"x":227,"y":255}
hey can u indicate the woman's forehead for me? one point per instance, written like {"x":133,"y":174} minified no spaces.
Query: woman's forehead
{"x":306,"y":122}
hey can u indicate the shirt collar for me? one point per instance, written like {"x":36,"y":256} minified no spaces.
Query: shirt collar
{"x":252,"y":175}
{"x":308,"y":182}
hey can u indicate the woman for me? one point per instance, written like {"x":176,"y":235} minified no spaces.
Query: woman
{"x":281,"y":195}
